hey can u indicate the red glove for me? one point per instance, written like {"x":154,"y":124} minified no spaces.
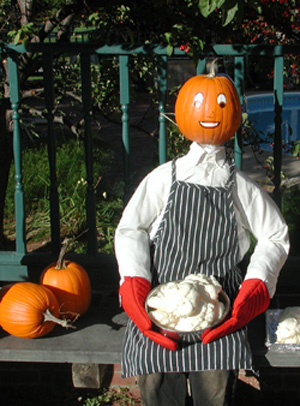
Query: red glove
{"x":133,"y":292}
{"x":253,"y":298}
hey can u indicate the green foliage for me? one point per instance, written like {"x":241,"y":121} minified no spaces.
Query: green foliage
{"x":177,"y":143}
{"x":23,"y":34}
{"x":109,"y":210}
{"x":105,"y":85}
{"x":107,"y":397}
{"x":9,"y":17}
{"x":270,"y":169}
{"x":295,"y":148}
{"x":291,"y":213}
{"x":169,"y":22}
{"x":72,"y":188}
{"x":250,"y":135}
{"x":187,"y":25}
{"x":272,"y":22}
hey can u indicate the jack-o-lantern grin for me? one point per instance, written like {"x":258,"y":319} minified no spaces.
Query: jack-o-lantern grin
{"x":209,"y":124}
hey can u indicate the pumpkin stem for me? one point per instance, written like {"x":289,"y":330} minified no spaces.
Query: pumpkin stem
{"x":61,"y":258}
{"x":72,"y":316}
{"x":213,"y":70}
{"x":48,"y":316}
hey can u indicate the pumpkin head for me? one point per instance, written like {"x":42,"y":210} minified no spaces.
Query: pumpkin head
{"x":208,"y":109}
{"x":28,"y":310}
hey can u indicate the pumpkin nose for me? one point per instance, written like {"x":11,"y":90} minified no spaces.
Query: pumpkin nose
{"x":210,"y":114}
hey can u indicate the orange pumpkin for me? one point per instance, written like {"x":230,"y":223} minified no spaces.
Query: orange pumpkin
{"x":29,"y":310}
{"x":70,"y":284}
{"x":208,"y":109}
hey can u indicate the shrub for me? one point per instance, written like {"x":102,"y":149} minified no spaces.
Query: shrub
{"x":72,"y":188}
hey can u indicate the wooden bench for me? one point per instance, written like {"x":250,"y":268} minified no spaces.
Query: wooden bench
{"x":96,"y":342}
{"x":97,"y":339}
{"x":287,"y":294}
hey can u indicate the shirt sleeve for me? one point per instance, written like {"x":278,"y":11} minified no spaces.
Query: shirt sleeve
{"x":132,"y":240}
{"x":263,"y":219}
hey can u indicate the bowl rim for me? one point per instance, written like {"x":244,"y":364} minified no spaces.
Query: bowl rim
{"x":222,"y":297}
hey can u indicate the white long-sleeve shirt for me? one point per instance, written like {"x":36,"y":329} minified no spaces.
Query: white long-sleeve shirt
{"x":255,"y":212}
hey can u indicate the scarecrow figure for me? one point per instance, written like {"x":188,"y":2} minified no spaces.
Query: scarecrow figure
{"x":195,"y":215}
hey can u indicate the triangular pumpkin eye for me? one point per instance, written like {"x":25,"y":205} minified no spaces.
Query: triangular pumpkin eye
{"x":198,"y":99}
{"x":222,"y":100}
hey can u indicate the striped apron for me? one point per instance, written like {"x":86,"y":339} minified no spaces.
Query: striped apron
{"x":198,"y":233}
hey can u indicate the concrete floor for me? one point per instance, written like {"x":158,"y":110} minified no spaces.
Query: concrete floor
{"x":253,"y":165}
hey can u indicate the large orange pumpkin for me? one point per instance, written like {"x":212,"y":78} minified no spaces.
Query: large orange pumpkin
{"x":208,"y":109}
{"x":70,"y":284}
{"x":29,"y":310}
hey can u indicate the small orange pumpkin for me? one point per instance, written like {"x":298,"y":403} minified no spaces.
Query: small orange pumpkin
{"x":208,"y":109}
{"x":70,"y":284}
{"x":29,"y":310}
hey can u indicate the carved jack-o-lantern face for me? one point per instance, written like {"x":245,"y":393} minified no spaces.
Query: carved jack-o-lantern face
{"x":208,"y":109}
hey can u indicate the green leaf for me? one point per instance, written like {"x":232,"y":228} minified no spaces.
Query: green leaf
{"x":206,"y":7}
{"x":17,"y":37}
{"x":230,"y":14}
{"x":25,"y":41}
{"x":178,"y":27}
{"x":28,"y":28}
{"x":296,"y":149}
{"x":170,"y":50}
{"x":93,"y":16}
{"x":168,"y":36}
{"x":244,"y":116}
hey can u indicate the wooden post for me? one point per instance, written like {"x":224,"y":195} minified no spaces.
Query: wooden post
{"x":162,"y":81}
{"x":124,"y":102}
{"x":88,"y":142}
{"x":54,"y":198}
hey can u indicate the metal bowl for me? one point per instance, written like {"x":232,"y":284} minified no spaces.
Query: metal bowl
{"x":184,"y":336}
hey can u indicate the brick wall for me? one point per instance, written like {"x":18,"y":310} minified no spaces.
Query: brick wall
{"x":117,"y":381}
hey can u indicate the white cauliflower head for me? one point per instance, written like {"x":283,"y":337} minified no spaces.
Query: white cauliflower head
{"x":188,"y":305}
{"x":288,"y":328}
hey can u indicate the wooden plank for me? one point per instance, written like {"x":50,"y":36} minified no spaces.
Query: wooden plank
{"x":96,"y":340}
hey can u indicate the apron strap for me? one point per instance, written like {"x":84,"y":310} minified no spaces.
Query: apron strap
{"x":174,"y":167}
{"x":232,"y":169}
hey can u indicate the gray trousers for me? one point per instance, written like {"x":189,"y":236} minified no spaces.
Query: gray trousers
{"x":206,"y":388}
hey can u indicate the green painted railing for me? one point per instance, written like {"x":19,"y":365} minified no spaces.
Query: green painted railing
{"x":12,"y":263}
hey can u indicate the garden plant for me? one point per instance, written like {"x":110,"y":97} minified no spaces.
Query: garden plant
{"x":187,"y":25}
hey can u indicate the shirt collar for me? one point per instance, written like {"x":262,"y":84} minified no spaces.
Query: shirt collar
{"x":199,"y":153}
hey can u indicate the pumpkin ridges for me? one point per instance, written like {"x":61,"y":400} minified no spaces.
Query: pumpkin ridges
{"x":23,"y":310}
{"x":234,"y":99}
{"x":76,"y":274}
{"x":70,"y":301}
{"x":188,"y":116}
{"x":218,"y":89}
{"x":27,"y":299}
{"x":70,"y":283}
